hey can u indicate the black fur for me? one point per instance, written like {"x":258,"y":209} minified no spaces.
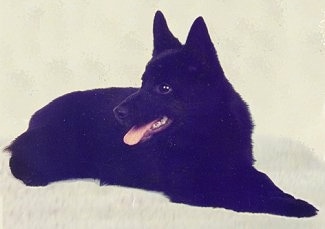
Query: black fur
{"x":203,"y":158}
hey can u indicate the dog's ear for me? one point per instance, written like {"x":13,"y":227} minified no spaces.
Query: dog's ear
{"x":163,"y":39}
{"x":199,"y":41}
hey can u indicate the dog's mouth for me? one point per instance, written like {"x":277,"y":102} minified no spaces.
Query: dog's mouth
{"x":144,"y":132}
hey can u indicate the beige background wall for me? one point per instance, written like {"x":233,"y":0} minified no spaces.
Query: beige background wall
{"x":272,"y":51}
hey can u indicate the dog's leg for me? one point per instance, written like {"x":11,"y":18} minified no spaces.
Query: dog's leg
{"x":257,"y":193}
{"x":246,"y":190}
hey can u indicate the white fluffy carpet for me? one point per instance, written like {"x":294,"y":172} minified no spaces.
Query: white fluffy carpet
{"x":84,"y":204}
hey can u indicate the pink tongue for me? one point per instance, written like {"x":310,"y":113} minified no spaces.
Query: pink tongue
{"x":135,"y":134}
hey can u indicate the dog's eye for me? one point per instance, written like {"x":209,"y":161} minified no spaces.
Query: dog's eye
{"x":164,"y":88}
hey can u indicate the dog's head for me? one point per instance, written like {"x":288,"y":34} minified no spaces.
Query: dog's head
{"x":180,"y":83}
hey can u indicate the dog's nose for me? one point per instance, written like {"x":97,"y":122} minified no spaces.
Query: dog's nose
{"x":121,"y":112}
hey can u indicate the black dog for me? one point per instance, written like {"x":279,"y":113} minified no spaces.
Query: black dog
{"x":186,"y":132}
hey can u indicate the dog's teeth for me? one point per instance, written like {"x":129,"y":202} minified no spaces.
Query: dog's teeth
{"x":164,"y":120}
{"x":160,"y":123}
{"x":156,"y":125}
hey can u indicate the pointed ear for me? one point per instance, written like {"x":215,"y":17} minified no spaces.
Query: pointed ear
{"x":163,"y":39}
{"x":198,"y":40}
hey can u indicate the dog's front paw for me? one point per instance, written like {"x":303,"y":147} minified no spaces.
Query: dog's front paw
{"x":292,"y":207}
